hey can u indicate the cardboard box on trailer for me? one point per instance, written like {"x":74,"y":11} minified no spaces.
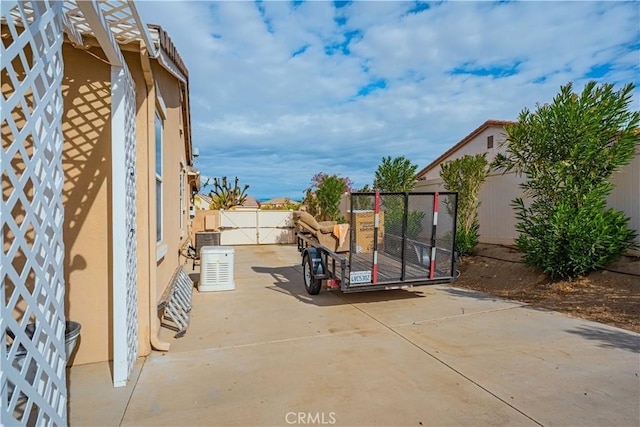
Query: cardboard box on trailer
{"x":363,"y":227}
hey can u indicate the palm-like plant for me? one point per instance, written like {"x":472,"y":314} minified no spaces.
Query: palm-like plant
{"x":225,"y":196}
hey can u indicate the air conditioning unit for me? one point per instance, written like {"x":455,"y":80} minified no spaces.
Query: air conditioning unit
{"x":207,"y":238}
{"x":216,"y":269}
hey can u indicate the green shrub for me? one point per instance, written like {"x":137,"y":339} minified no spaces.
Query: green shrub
{"x":467,"y":239}
{"x":394,"y":216}
{"x":570,"y":241}
{"x":465,"y":176}
{"x":568,"y":151}
{"x":322,"y":199}
{"x":395,"y":175}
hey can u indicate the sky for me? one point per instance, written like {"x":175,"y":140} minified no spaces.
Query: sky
{"x":283,"y":90}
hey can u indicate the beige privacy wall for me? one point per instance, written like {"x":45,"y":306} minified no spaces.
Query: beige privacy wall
{"x":496,"y":215}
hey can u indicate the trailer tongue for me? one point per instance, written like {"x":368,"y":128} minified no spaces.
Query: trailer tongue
{"x":395,"y":241}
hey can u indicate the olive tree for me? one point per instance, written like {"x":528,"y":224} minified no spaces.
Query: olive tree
{"x":567,"y":151}
{"x":465,"y":176}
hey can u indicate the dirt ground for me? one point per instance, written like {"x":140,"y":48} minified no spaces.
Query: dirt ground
{"x":610,"y":296}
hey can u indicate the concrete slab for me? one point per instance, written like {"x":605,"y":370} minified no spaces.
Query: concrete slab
{"x":268,"y":304}
{"x":362,"y":378}
{"x":560,"y":371}
{"x":93,"y":401}
{"x":269,"y":354}
{"x":425,"y":303}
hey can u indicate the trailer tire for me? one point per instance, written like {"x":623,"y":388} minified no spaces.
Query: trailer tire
{"x":312,"y":285}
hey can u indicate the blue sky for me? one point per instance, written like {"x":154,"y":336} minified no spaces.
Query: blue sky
{"x":282,"y":90}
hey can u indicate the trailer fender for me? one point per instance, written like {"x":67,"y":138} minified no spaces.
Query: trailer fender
{"x":316,"y":260}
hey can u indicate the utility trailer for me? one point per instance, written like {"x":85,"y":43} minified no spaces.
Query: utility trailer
{"x":395,"y":241}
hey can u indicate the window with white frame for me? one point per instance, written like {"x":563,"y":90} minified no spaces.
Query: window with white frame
{"x":159,"y":158}
{"x":183,"y":208}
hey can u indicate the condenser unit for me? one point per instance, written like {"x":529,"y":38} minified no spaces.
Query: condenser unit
{"x":216,"y":269}
{"x":207,"y":238}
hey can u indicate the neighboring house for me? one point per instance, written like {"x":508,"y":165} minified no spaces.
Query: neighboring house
{"x":202,"y":202}
{"x":97,"y":173}
{"x":496,"y":215}
{"x":279,"y":202}
{"x":249,"y":203}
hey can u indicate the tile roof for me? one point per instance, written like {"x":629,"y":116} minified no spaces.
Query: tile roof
{"x":277,"y":201}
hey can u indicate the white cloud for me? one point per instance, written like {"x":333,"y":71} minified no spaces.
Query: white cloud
{"x":272,"y":106}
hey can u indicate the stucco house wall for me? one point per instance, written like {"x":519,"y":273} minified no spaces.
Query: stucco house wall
{"x":496,"y":215}
{"x":174,"y":232}
{"x":476,"y":142}
{"x":202,"y":202}
{"x":87,"y":149}
{"x":87,"y":195}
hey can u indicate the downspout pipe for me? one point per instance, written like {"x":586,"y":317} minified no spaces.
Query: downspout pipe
{"x":154,"y":322}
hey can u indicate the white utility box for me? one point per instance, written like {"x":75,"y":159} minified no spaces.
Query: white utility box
{"x":216,"y":269}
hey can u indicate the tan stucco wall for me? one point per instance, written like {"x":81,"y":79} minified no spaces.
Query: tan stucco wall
{"x":87,"y":134}
{"x":204,"y":221}
{"x":87,"y":165}
{"x":173,"y":160}
{"x":475,"y":146}
{"x":496,"y":215}
{"x":626,"y":195}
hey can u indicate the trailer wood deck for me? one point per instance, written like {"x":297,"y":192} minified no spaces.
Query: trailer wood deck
{"x":389,"y":267}
{"x":399,"y":231}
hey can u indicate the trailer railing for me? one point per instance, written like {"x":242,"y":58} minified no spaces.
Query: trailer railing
{"x":396,"y":240}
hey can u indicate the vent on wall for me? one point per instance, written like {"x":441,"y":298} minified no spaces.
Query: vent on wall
{"x":216,"y":269}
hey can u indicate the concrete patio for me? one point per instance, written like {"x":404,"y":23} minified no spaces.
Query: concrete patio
{"x":268,"y":354}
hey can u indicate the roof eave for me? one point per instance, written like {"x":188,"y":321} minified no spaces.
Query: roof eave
{"x":489,"y":123}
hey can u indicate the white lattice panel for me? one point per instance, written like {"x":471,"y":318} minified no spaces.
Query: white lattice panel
{"x":130,"y":167}
{"x":123,"y":214}
{"x":32,"y":324}
{"x":125,"y":294}
{"x":119,"y":14}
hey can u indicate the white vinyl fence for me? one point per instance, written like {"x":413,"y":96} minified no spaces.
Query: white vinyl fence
{"x":256,"y":227}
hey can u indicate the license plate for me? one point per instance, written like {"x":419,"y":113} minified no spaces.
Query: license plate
{"x":360,"y":277}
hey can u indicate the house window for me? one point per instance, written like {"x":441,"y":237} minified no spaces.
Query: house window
{"x":489,"y":142}
{"x":159,"y":157}
{"x":183,"y":209}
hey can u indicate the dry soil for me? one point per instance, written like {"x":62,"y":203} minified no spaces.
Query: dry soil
{"x":610,"y":296}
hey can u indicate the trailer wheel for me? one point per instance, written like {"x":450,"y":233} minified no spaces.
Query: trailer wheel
{"x":311,"y":285}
